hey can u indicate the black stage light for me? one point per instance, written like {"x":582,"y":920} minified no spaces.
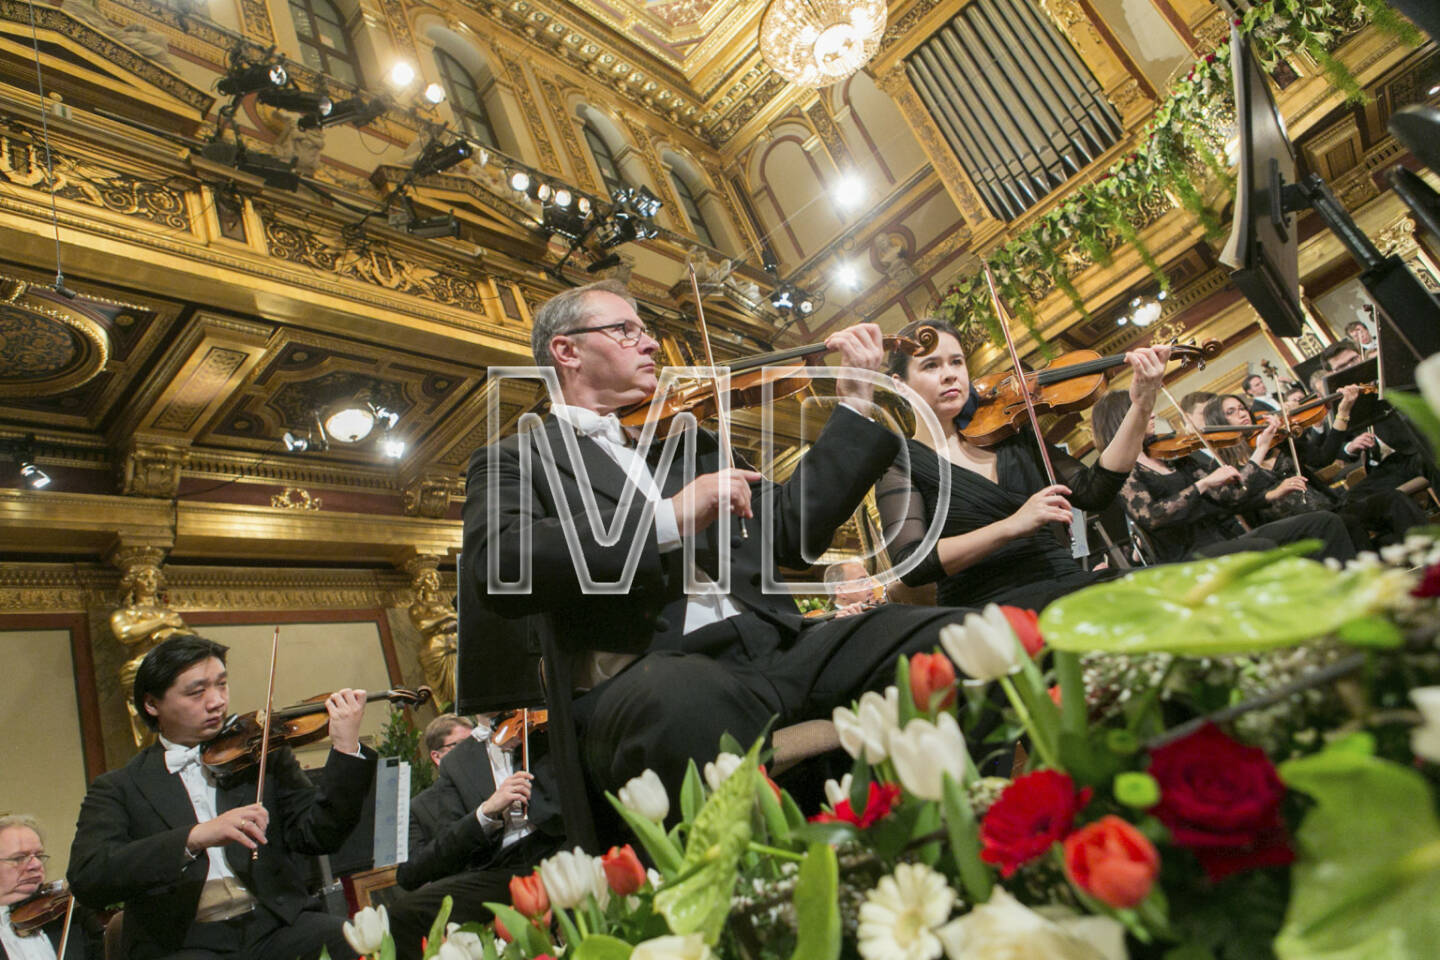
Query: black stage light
{"x":315,"y":105}
{"x":356,"y":110}
{"x":439,"y":156}
{"x":604,"y":263}
{"x":275,"y":172}
{"x":444,"y":225}
{"x":257,"y":76}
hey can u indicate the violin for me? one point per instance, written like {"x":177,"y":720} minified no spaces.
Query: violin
{"x":762,"y":378}
{"x":1173,"y":446}
{"x":1312,"y":413}
{"x":237,"y":746}
{"x":42,"y":907}
{"x":1074,"y":381}
{"x":516,"y":727}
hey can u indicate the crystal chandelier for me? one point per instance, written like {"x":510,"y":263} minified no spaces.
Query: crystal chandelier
{"x":814,"y":43}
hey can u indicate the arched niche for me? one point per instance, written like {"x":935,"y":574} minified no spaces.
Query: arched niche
{"x":599,"y":132}
{"x":365,"y":46}
{"x":882,"y":143}
{"x":789,"y":178}
{"x":682,"y":168}
{"x":466,"y":61}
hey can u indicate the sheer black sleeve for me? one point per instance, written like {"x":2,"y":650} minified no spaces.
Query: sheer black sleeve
{"x":904,"y":519}
{"x":1093,"y":487}
{"x":1157,"y":513}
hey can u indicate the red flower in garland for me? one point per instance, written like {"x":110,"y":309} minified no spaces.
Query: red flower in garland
{"x":1429,"y":585}
{"x":1221,"y":800}
{"x":1026,"y":624}
{"x":878,"y":803}
{"x":1031,"y":815}
{"x":1112,"y":861}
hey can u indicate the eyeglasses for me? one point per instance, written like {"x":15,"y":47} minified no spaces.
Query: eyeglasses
{"x":630,"y":332}
{"x":21,"y":859}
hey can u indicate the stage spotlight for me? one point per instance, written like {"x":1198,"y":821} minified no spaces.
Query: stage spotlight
{"x":315,"y":105}
{"x":257,"y":76}
{"x":583,"y":206}
{"x":807,"y":306}
{"x":439,"y":156}
{"x":781,"y":300}
{"x":847,"y":276}
{"x":434,"y":93}
{"x":429,"y":228}
{"x":402,"y":75}
{"x":563,"y":197}
{"x":519,"y":181}
{"x":276,"y":173}
{"x":355,"y":110}
{"x":294,"y":444}
{"x":604,"y":263}
{"x":394,"y":449}
{"x":37,"y":479}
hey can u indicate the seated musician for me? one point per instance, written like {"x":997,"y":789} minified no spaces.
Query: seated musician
{"x":1189,"y":507}
{"x":468,"y":836}
{"x":998,"y":543}
{"x":852,"y":588}
{"x":22,"y":873}
{"x":1374,"y":518}
{"x":1391,"y":451}
{"x":175,"y":846}
{"x":1323,"y":444}
{"x":673,"y":670}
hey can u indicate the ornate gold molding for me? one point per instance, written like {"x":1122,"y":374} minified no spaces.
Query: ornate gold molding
{"x":430,"y":496}
{"x":896,"y":84}
{"x":533,"y":118}
{"x":295,"y":498}
{"x":555,"y":100}
{"x":152,"y":470}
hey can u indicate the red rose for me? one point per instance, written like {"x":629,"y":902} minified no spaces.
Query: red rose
{"x":1221,"y":800}
{"x":623,"y":870}
{"x":1026,"y":624}
{"x":878,"y":803}
{"x":1112,"y":861}
{"x":1429,"y":585}
{"x":528,"y":895}
{"x":932,"y":681}
{"x":1031,"y":814}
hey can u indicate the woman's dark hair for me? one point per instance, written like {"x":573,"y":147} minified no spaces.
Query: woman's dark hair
{"x":1215,"y":416}
{"x":898,"y":361}
{"x":162,"y":665}
{"x":1107,"y":416}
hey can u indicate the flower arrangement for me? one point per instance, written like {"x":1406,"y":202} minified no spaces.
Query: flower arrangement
{"x":1179,"y":161}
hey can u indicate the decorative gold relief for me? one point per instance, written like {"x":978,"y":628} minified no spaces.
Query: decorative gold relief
{"x":295,"y":498}
{"x":1397,"y":239}
{"x":142,"y":621}
{"x":48,"y":343}
{"x":435,"y":618}
{"x":824,"y":125}
{"x":257,"y":20}
{"x":22,"y":163}
{"x":555,"y":102}
{"x":152,"y":470}
{"x":199,"y":390}
{"x":897,"y":86}
{"x":536,"y":123}
{"x":430,"y":496}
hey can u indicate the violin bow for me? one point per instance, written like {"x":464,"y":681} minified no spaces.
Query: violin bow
{"x":1268,"y":371}
{"x":1003,"y":316}
{"x":65,"y":930}
{"x":727,"y":456}
{"x":1185,"y":421}
{"x":265,"y":730}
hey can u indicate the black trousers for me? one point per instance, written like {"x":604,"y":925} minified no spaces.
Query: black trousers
{"x":263,"y":936}
{"x":412,"y":913}
{"x":1328,"y":528}
{"x":671,"y":706}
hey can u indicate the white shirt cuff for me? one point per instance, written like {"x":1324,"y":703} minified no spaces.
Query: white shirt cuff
{"x":667,"y":528}
{"x":489,"y":825}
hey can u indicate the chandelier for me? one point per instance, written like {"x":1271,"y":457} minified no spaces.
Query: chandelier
{"x":814,"y":43}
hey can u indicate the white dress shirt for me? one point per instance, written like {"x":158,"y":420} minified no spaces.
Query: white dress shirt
{"x":200,"y":785}
{"x":502,"y":764}
{"x":37,"y":947}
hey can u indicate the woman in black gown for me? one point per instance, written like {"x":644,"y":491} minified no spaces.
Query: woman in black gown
{"x":1001,"y":537}
{"x":1188,"y":507}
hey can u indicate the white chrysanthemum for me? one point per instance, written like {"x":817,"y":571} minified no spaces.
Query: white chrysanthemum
{"x":899,"y":917}
{"x":1005,"y":929}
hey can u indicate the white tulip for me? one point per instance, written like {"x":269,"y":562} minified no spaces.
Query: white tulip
{"x":366,"y":930}
{"x":1427,"y":377}
{"x":923,"y":751}
{"x":689,"y":947}
{"x":866,"y":729}
{"x":1004,"y":927}
{"x":719,"y":771}
{"x":569,"y":877}
{"x":461,"y":945}
{"x":984,"y":646}
{"x":646,"y":796}
{"x":838,"y":793}
{"x":599,"y":884}
{"x":1425,"y":739}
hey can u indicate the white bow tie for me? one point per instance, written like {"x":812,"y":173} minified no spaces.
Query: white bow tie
{"x":591,"y":424}
{"x":177,"y":758}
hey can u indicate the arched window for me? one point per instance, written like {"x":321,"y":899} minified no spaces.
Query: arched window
{"x":692,"y":209}
{"x":325,"y":43}
{"x":604,"y":159}
{"x":465,"y":99}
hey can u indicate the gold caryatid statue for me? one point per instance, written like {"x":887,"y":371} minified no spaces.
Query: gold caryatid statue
{"x":435,"y":619}
{"x":140,"y":624}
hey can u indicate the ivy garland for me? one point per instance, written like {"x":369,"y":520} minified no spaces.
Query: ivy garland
{"x":1179,"y":160}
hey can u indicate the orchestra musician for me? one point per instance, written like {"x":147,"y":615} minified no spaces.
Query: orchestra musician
{"x":1189,"y":507}
{"x":998,"y":544}
{"x":1393,"y":452}
{"x":22,"y":872}
{"x":670,"y":672}
{"x":163,"y":837}
{"x":852,"y":588}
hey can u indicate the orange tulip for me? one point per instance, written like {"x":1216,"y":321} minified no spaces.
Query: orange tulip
{"x":1112,"y":861}
{"x":528,"y":895}
{"x":932,"y":681}
{"x":1026,"y":624}
{"x":623,"y":870}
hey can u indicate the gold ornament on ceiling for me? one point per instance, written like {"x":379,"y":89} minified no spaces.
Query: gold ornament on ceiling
{"x":49,"y":343}
{"x":814,"y":43}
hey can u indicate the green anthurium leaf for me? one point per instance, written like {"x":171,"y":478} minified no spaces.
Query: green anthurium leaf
{"x":817,"y":907}
{"x":387,"y":947}
{"x":1367,"y":881}
{"x":692,"y":793}
{"x":728,"y":744}
{"x":597,"y":946}
{"x":525,"y":935}
{"x":699,"y":900}
{"x":1239,"y":603}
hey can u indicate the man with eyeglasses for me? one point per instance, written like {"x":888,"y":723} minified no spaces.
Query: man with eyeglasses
{"x":22,"y":872}
{"x":469,"y":832}
{"x":666,"y":672}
